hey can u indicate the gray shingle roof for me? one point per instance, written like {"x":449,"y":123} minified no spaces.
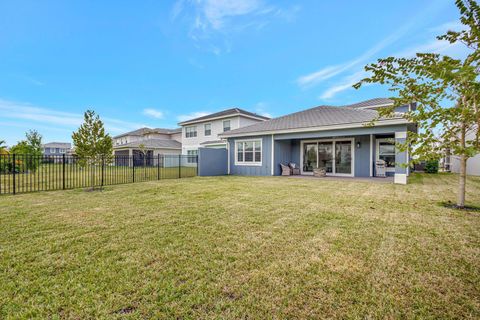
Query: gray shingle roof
{"x":152,"y":143}
{"x":314,"y":117}
{"x":145,"y":130}
{"x":228,"y":112}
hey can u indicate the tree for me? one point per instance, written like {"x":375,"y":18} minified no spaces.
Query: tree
{"x":34,"y":140}
{"x":3,"y":147}
{"x":92,"y":145}
{"x":143,"y":150}
{"x":446,"y":92}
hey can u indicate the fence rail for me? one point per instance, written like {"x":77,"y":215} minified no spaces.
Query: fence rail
{"x":22,"y":173}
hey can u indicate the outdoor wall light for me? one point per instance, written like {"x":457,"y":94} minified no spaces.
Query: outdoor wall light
{"x":358,"y":145}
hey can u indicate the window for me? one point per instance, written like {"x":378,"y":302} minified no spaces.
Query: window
{"x":249,"y":152}
{"x":208,"y":129}
{"x":386,"y":152}
{"x":190,"y":132}
{"x":192,"y":156}
{"x":226,"y":125}
{"x":62,"y":150}
{"x":52,"y":150}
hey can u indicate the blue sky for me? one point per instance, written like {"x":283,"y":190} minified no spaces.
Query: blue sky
{"x":154,"y":63}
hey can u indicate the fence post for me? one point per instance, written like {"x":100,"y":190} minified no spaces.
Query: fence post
{"x":197,"y":167}
{"x":158,"y":166}
{"x":103,"y":169}
{"x":14,"y":169}
{"x":179,"y":166}
{"x":63,"y":171}
{"x":133,"y":168}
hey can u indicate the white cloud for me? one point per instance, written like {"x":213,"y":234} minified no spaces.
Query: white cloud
{"x":34,"y":116}
{"x":213,"y":22}
{"x":261,"y":107}
{"x":193,"y":115}
{"x":328,"y":72}
{"x":345,"y":84}
{"x":454,"y":25}
{"x":157,"y":114}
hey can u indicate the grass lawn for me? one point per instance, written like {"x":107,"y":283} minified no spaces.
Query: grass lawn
{"x":242,"y":247}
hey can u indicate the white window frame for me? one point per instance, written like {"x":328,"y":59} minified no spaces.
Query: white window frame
{"x":191,"y":132}
{"x":333,"y":141}
{"x":205,"y":129}
{"x":249,"y":163}
{"x":229,"y":125}
{"x":190,"y":156}
{"x":377,"y":152}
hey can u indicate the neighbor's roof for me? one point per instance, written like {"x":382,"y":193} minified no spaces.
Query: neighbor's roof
{"x":152,"y":144}
{"x":145,"y":130}
{"x":315,"y":117}
{"x":225,"y":113}
{"x":58,"y":144}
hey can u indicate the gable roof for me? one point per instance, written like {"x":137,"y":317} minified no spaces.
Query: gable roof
{"x":322,"y":116}
{"x":145,"y":130}
{"x":224,"y":114}
{"x":152,"y":144}
{"x":372,"y":103}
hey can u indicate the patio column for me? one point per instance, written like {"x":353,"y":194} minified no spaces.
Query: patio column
{"x":371,"y":155}
{"x":401,"y":159}
{"x":130,"y":157}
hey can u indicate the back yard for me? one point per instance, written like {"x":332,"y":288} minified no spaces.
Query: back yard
{"x":232,"y":247}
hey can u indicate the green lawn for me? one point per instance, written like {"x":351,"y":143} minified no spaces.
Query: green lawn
{"x":52,"y":176}
{"x":242,"y":247}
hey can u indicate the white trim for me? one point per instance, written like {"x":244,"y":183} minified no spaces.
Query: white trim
{"x":371,"y":155}
{"x":333,"y":140}
{"x":232,"y":115}
{"x":312,"y":129}
{"x":375,"y":106}
{"x":243,"y":163}
{"x":272,"y":170}
{"x":401,"y":135}
{"x":400,"y":178}
{"x":228,"y":157}
{"x":377,"y":152}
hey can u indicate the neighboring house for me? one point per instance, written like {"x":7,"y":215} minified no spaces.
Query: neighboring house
{"x":203,"y":132}
{"x":473,"y":163}
{"x":56,"y":148}
{"x":335,"y":138}
{"x":155,"y":142}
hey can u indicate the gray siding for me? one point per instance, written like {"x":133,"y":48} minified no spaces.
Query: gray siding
{"x":212,"y":162}
{"x":264,"y":169}
{"x":362,"y":156}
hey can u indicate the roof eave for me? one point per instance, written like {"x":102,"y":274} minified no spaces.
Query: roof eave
{"x":320,"y":128}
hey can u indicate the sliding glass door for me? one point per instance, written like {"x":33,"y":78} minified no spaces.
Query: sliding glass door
{"x":325,"y":156}
{"x":335,"y":156}
{"x":343,"y":157}
{"x":309,"y":157}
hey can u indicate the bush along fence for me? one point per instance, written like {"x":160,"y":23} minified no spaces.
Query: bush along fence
{"x":22,"y":173}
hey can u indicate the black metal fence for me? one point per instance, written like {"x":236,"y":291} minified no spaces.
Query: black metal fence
{"x":21,"y":173}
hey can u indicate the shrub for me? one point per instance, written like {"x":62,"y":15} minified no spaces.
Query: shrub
{"x":431,"y":166}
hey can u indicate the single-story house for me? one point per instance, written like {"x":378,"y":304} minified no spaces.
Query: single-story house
{"x":335,"y":138}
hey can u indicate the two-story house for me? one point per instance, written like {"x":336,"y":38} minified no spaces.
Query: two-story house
{"x":56,"y":148}
{"x":203,"y":132}
{"x":150,"y":141}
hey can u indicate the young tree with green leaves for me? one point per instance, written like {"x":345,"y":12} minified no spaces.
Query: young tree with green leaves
{"x":92,"y":145}
{"x":446,"y":92}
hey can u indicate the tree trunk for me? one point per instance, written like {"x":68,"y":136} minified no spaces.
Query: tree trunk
{"x":463,"y":170}
{"x":462,"y":181}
